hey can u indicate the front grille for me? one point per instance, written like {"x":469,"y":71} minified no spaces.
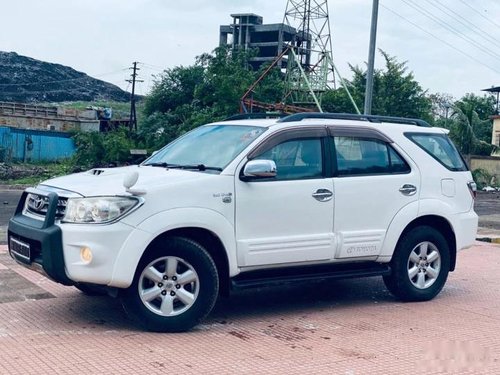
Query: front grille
{"x":38,"y":204}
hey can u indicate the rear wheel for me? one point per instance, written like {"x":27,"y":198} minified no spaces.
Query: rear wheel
{"x":175,"y":286}
{"x":420,"y":265}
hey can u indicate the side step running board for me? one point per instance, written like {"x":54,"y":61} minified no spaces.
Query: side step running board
{"x":280,"y":276}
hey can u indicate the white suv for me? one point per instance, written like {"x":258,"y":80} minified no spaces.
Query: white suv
{"x":254,"y":202}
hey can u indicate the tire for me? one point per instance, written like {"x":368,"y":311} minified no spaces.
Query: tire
{"x":175,"y":286}
{"x":420,"y":265}
{"x":91,"y":290}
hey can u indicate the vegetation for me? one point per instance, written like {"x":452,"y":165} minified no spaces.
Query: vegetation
{"x":395,"y":92}
{"x":29,"y":174}
{"x":483,"y":178}
{"x":120,"y":109}
{"x":185,"y":97}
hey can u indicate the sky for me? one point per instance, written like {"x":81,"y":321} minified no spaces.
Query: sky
{"x":451,"y":46}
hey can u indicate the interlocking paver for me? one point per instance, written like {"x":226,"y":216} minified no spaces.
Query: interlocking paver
{"x":342,"y":327}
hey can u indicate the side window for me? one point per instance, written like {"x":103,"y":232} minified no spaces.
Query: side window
{"x":296,"y":159}
{"x":359,"y":156}
{"x":440,"y":148}
{"x":398,"y":165}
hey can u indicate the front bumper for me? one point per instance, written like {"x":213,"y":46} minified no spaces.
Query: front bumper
{"x":44,"y":239}
{"x":55,"y":248}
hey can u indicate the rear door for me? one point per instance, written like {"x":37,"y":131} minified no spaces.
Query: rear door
{"x":372,"y":183}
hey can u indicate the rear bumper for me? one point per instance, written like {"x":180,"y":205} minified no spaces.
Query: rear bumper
{"x":465,"y":226}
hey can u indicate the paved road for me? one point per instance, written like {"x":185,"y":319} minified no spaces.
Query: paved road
{"x":343,"y":327}
{"x":487,"y":206}
{"x":8,"y":204}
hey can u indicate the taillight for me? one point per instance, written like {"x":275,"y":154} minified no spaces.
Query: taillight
{"x":472,"y":189}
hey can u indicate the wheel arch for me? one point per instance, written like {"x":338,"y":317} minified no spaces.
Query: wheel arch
{"x":207,"y":239}
{"x":443,"y":226}
{"x":194,"y":223}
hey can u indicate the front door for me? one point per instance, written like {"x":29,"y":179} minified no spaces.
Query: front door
{"x":288,"y":218}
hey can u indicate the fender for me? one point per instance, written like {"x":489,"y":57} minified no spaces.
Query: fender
{"x":407,"y":215}
{"x":404,"y":216}
{"x":129,"y":256}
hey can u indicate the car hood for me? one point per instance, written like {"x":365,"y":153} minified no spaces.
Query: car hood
{"x":109,"y":181}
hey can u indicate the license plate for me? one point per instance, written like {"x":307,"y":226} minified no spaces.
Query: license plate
{"x":21,"y":250}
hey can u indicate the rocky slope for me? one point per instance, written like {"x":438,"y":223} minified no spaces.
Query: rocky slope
{"x":23,"y":79}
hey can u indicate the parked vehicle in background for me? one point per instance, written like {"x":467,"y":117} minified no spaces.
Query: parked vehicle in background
{"x":246,"y":203}
{"x":489,"y":189}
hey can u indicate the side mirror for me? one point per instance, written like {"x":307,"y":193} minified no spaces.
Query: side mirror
{"x":256,"y":169}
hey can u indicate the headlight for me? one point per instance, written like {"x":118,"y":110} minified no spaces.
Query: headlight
{"x":97,"y":210}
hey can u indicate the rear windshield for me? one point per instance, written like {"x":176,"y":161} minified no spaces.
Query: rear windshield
{"x":440,"y":147}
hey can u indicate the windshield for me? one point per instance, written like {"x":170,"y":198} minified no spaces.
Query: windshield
{"x":211,"y":146}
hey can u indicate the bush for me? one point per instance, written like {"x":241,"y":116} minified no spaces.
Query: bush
{"x":481,"y":177}
{"x":101,"y":149}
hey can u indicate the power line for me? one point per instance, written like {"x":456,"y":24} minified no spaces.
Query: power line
{"x":441,"y":40}
{"x":458,"y":33}
{"x":482,"y":15}
{"x":153,"y":67}
{"x":464,"y":21}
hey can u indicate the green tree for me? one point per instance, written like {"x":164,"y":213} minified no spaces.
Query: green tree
{"x":467,"y":124}
{"x":173,"y":88}
{"x":95,"y":149}
{"x":227,"y":77}
{"x":395,"y":92}
{"x":185,"y":97}
{"x":484,"y":108}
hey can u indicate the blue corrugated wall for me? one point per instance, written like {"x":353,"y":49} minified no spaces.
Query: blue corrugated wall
{"x":34,"y":145}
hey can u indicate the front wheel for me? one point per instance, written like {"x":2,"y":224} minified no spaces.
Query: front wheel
{"x":174,"y":288}
{"x":420,"y":265}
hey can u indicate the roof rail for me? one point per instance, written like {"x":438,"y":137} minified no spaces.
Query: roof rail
{"x":351,"y":116}
{"x":256,"y":115}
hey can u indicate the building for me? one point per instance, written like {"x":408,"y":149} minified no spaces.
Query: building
{"x":495,"y":133}
{"x":247,"y":31}
{"x":46,"y":118}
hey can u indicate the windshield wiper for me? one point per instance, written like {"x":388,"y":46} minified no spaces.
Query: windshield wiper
{"x":200,"y":167}
{"x":162,"y":164}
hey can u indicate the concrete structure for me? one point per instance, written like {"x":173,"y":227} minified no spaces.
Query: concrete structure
{"x":247,"y":31}
{"x":495,"y":132}
{"x":48,"y":118}
{"x":490,"y":164}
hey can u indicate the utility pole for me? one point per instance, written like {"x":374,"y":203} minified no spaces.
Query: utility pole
{"x":133,"y":115}
{"x":371,"y":60}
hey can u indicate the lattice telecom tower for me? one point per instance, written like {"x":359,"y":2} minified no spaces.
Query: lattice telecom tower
{"x":309,"y":70}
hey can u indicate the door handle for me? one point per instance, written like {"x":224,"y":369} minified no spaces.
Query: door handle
{"x":322,"y":195}
{"x":408,"y":189}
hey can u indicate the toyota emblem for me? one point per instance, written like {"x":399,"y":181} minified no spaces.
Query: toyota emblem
{"x":38,"y":202}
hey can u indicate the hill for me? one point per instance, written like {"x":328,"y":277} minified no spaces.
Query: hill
{"x":24,"y":79}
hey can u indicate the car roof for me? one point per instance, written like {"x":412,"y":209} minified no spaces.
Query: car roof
{"x":385,"y":123}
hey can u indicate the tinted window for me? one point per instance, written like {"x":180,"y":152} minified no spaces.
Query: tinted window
{"x":357,"y":156}
{"x":296,"y":159}
{"x":440,"y":148}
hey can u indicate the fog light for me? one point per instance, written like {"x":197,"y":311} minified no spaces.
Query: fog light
{"x":86,"y":254}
